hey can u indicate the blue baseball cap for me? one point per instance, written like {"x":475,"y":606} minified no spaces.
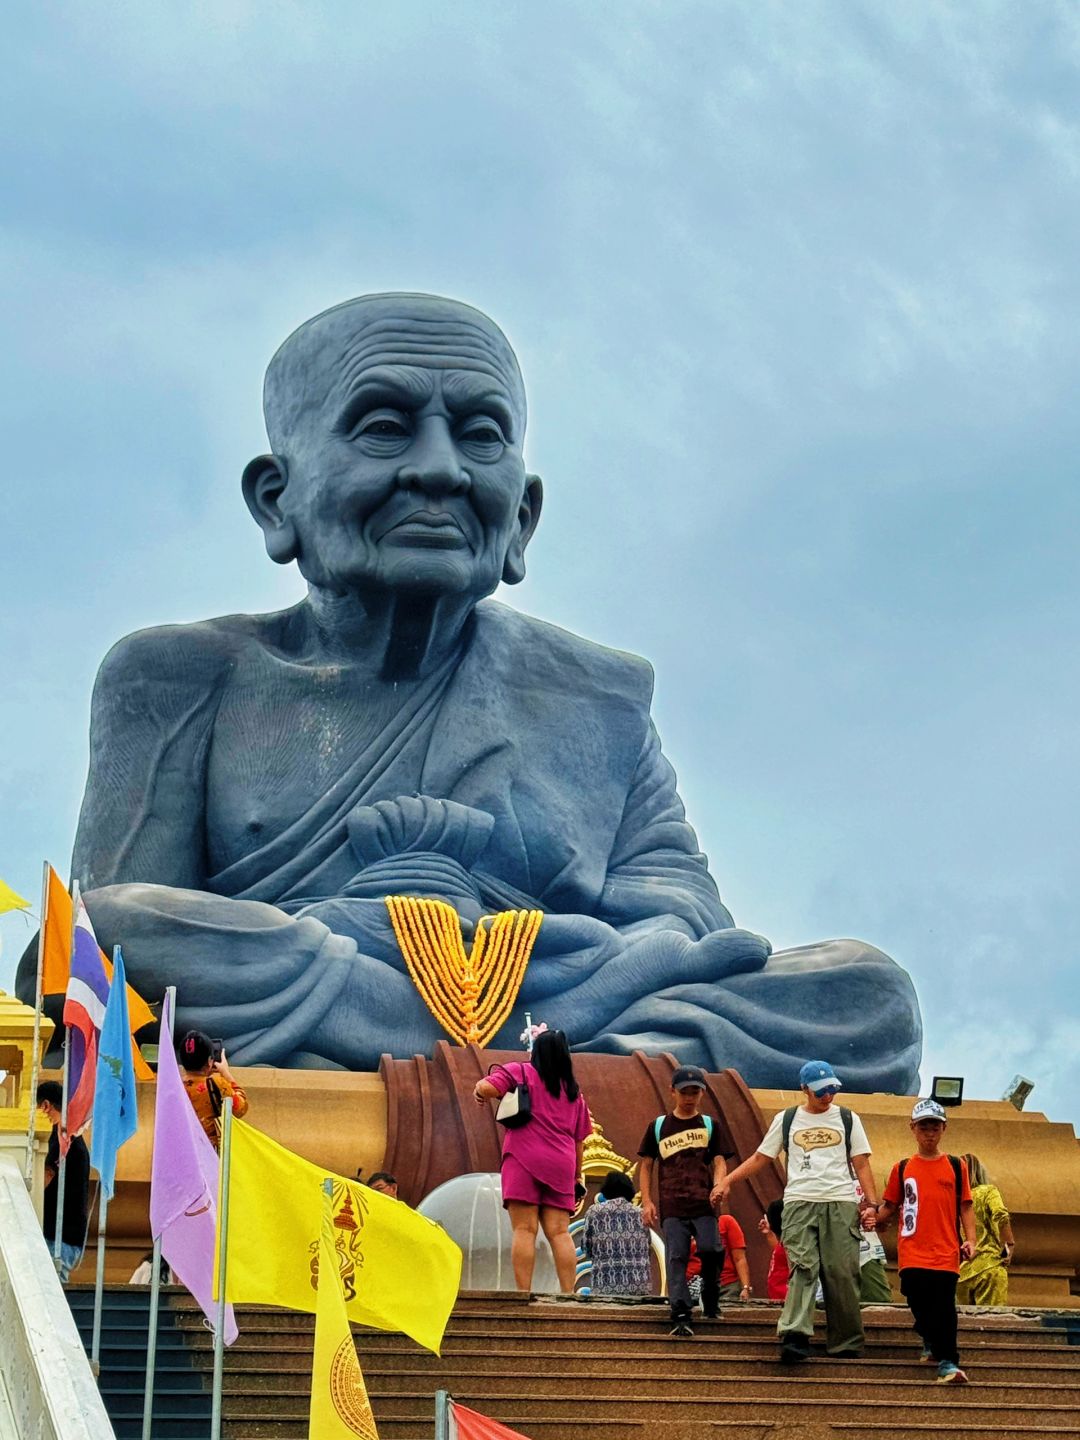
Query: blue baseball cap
{"x":818,"y":1075}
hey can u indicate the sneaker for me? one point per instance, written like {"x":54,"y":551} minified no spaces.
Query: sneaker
{"x":682,"y":1330}
{"x":950,"y":1374}
{"x":926,"y":1355}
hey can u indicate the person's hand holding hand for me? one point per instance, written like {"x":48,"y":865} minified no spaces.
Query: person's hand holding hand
{"x":717,"y":1194}
{"x":868,"y":1217}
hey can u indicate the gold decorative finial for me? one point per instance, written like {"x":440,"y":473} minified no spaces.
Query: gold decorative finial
{"x":599,"y":1156}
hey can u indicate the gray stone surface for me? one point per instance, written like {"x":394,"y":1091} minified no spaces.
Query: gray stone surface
{"x":258,"y":783}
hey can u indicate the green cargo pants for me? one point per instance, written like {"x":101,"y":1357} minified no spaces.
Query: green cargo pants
{"x":821,"y":1238}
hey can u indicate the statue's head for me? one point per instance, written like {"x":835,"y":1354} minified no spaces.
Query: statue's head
{"x":396,"y":424}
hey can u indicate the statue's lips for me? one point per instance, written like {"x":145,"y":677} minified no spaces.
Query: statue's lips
{"x":434,"y":529}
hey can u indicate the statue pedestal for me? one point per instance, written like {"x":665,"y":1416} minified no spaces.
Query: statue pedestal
{"x":417,"y":1118}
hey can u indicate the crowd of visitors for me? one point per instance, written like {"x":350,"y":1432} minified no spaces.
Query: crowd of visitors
{"x":955,"y":1238}
{"x":822,"y":1236}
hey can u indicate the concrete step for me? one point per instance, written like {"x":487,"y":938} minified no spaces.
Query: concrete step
{"x":949,"y":1406}
{"x":480,"y":1333}
{"x":675,"y":1360}
{"x":711,"y":1335}
{"x":932,"y":1419}
{"x":816,"y":1385}
{"x":588,"y":1372}
{"x":512,"y":1307}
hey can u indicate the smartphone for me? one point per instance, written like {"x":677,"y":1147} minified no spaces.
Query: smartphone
{"x":217,"y":1049}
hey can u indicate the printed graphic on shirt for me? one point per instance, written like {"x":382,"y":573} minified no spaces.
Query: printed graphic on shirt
{"x":696,"y":1139}
{"x":909,"y":1218}
{"x":820,"y":1137}
{"x":815,"y":1139}
{"x":685,"y":1155}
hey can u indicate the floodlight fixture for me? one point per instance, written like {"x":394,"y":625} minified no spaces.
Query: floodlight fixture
{"x":1019,"y":1088}
{"x":948,"y":1089}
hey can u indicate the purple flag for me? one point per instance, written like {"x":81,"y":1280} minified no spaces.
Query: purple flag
{"x":184,"y":1185}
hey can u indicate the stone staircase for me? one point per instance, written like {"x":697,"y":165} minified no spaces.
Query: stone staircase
{"x":558,"y":1370}
{"x":589,"y":1371}
{"x":181,"y":1399}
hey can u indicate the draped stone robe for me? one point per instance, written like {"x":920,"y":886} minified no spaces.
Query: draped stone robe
{"x":525,"y":773}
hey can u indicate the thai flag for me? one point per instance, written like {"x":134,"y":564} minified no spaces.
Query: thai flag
{"x":84,"y":1011}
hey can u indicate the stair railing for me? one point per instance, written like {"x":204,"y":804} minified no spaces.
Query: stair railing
{"x":43,"y":1365}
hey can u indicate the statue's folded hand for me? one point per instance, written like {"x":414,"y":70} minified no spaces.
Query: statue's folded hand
{"x":418,"y":845}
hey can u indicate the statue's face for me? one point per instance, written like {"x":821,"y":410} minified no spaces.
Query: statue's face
{"x":403,"y":469}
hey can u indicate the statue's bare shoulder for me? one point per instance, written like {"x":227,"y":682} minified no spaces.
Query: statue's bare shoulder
{"x":194,"y":657}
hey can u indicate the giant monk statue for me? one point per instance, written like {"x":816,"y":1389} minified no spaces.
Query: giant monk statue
{"x":260,"y":783}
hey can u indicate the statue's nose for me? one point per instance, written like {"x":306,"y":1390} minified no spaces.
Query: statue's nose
{"x":432,"y":463}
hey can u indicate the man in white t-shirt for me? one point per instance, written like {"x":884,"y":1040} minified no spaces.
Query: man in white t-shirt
{"x":821,"y":1225}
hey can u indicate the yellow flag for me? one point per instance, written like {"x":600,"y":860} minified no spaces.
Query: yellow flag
{"x":11,"y":900}
{"x":340,"y":1409}
{"x":399,"y":1270}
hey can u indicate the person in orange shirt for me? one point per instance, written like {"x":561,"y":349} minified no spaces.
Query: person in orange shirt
{"x":776,"y":1282}
{"x":209,"y":1082}
{"x":933,"y":1195}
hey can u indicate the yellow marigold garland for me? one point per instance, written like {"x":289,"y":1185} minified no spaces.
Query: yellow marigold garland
{"x":470,"y":995}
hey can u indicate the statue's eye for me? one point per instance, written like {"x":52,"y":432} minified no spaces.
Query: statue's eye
{"x":382,"y":427}
{"x":482,"y":431}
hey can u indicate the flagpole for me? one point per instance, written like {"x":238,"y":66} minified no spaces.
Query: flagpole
{"x":99,"y":1278}
{"x":35,"y":1059}
{"x":165,"y":1037}
{"x":61,"y":1174}
{"x":99,"y":1283}
{"x":442,"y":1415}
{"x":223,"y":1256}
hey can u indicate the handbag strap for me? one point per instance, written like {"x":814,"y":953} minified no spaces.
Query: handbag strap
{"x":498,"y":1065}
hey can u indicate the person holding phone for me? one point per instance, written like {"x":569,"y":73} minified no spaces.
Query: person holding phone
{"x":208,"y":1081}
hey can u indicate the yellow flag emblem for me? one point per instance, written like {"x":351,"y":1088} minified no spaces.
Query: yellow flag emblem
{"x":340,"y":1409}
{"x":396,"y":1269}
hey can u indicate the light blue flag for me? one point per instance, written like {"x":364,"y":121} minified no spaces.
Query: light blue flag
{"x":115,"y":1104}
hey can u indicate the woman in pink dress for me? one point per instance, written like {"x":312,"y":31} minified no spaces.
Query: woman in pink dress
{"x":541,"y":1161}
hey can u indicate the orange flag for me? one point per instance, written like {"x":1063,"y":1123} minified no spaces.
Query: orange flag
{"x":57,"y":922}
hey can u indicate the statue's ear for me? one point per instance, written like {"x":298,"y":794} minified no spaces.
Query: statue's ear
{"x":528,"y":517}
{"x":264,"y":483}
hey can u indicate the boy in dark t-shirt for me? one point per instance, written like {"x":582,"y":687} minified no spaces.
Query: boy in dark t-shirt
{"x":690,"y":1150}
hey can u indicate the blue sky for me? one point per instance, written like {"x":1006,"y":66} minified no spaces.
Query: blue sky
{"x":794,"y":288}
